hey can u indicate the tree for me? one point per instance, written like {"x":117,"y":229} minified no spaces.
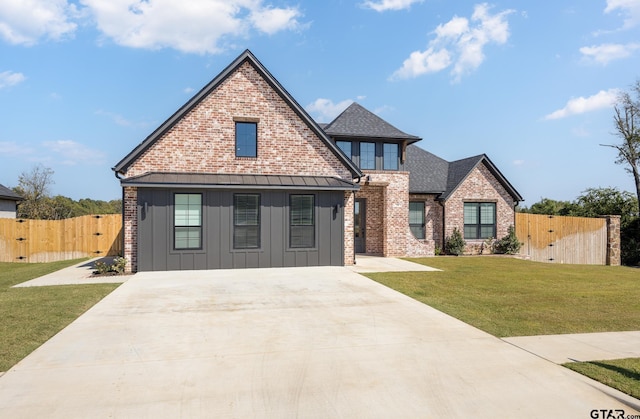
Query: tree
{"x":627,"y":123}
{"x":595,"y":202}
{"x":34,"y":187}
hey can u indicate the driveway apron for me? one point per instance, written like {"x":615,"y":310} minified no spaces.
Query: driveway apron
{"x":320,"y":342}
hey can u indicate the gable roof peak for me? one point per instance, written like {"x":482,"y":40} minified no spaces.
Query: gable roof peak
{"x":245,"y":56}
{"x":357,"y":121}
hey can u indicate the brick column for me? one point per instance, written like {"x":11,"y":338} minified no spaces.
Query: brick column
{"x":130,"y":205}
{"x":613,"y":240}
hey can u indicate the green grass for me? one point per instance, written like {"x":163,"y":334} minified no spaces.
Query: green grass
{"x":621,"y":374}
{"x":512,"y":297}
{"x":30,"y":316}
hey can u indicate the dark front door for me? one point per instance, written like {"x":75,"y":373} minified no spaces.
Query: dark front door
{"x":359,"y":216}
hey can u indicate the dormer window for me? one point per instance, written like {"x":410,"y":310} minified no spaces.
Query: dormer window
{"x":345,"y":146}
{"x":390,"y":156}
{"x":368,"y":156}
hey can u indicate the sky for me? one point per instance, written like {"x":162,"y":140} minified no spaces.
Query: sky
{"x":532,"y":84}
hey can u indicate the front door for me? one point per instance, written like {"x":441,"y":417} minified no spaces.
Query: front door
{"x":359,"y":217}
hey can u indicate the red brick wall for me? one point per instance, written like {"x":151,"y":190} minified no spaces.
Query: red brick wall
{"x":349,"y":255}
{"x":203,"y":141}
{"x":433,"y":228}
{"x":131,"y":228}
{"x":387,"y":212}
{"x":480,"y":186}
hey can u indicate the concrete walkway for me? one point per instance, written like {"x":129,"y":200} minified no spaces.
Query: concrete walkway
{"x":289,"y":342}
{"x":80,"y":273}
{"x":581,"y":347}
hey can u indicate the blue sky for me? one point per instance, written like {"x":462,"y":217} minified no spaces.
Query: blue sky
{"x":529,"y":83}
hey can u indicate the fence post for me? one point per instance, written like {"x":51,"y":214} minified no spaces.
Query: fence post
{"x":613,"y":240}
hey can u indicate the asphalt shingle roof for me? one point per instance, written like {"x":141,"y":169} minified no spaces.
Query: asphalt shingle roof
{"x":429,"y":173}
{"x":6,"y":193}
{"x":356,"y":121}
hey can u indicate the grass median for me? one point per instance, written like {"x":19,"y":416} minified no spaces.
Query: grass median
{"x":30,"y":316}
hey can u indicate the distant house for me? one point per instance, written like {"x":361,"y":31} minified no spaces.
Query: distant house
{"x":8,"y":202}
{"x":241,"y":176}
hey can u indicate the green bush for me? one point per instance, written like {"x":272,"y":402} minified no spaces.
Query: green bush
{"x":509,"y":244}
{"x":454,"y":244}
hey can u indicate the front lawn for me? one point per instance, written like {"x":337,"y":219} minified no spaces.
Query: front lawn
{"x":31,"y":316}
{"x":621,"y":374}
{"x":512,"y":297}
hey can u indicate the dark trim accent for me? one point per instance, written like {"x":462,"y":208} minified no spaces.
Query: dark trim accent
{"x":237,"y":181}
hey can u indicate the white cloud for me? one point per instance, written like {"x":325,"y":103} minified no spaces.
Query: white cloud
{"x":25,"y":22}
{"x":460,"y":42}
{"x":9,"y":78}
{"x":12,"y":148}
{"x":518,"y":162}
{"x":602,"y":99}
{"x":605,"y":53}
{"x":628,"y":8}
{"x":384,"y":5}
{"x":324,"y":110}
{"x":196,"y":26}
{"x":71,"y":153}
{"x":270,"y":20}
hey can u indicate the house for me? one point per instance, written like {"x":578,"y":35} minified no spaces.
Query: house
{"x":8,"y":202}
{"x":241,"y":176}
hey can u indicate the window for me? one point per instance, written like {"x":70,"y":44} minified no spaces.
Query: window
{"x":246,"y":139}
{"x":479,"y":220}
{"x":246,"y":221}
{"x":302,"y":229}
{"x":416,"y":219}
{"x":367,"y":155}
{"x":390,"y":156}
{"x":345,"y":146}
{"x":187,"y":221}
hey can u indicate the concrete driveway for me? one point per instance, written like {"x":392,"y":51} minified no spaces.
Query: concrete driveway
{"x":284,"y":343}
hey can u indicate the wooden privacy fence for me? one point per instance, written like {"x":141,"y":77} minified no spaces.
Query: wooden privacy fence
{"x":559,"y":239}
{"x":24,"y":240}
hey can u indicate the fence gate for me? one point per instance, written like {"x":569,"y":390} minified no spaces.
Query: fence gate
{"x":51,"y":240}
{"x":559,"y":239}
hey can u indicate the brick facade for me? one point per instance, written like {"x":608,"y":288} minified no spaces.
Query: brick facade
{"x":433,"y":227}
{"x":203,"y":141}
{"x":479,"y":186}
{"x":387,"y":214}
{"x":130,"y":221}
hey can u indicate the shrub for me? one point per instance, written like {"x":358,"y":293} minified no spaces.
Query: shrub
{"x":509,"y":244}
{"x":119,"y":264}
{"x":102,"y":268}
{"x":454,"y":244}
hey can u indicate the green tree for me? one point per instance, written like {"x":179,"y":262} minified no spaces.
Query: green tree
{"x":627,"y":124}
{"x":595,"y":202}
{"x":34,"y":187}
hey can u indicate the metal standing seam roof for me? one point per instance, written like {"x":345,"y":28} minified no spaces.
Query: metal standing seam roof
{"x":6,"y":193}
{"x":238,"y":181}
{"x":246,"y":56}
{"x":356,"y":121}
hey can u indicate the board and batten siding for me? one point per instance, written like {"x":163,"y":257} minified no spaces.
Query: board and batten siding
{"x":155,"y":233}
